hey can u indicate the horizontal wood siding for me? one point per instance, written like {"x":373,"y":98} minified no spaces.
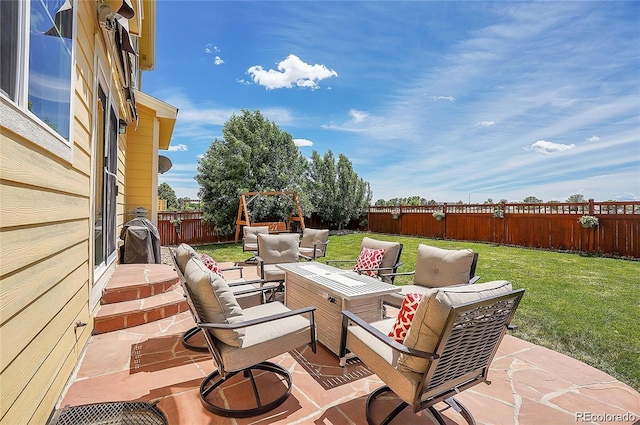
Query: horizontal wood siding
{"x":547,"y":226}
{"x":44,"y":251}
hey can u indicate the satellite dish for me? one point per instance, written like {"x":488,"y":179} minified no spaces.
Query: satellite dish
{"x":164,"y":164}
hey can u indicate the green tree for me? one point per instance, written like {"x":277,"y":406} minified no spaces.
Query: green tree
{"x":167,"y":193}
{"x":254,"y":155}
{"x":335,"y":190}
{"x":532,"y":200}
{"x":576,"y":199}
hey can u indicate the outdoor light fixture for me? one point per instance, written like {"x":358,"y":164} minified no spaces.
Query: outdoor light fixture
{"x":122,"y":126}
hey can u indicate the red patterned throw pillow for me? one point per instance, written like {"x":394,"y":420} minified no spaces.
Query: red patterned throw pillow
{"x":211,"y":264}
{"x":369,"y":259}
{"x":405,"y":317}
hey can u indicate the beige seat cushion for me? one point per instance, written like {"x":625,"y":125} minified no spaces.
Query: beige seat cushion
{"x":429,"y":320}
{"x":184,"y":253}
{"x":381,"y":358}
{"x":391,"y":250}
{"x":214,"y":300}
{"x":437,"y":267}
{"x":267,"y":340}
{"x":273,"y":274}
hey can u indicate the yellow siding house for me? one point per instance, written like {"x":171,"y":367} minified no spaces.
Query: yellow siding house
{"x":79,"y":147}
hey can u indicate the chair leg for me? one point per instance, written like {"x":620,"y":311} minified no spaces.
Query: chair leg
{"x":391,"y":416}
{"x":213,"y":383}
{"x":188,"y":345}
{"x":458,"y":407}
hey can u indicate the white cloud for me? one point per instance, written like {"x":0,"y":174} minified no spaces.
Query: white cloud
{"x":302,"y":142}
{"x":358,"y":116}
{"x":486,"y":123}
{"x":594,"y":139}
{"x":291,"y":72}
{"x":210,"y":48}
{"x":546,"y":148}
{"x":218,"y":61}
{"x":449,"y":98}
{"x":178,"y":148}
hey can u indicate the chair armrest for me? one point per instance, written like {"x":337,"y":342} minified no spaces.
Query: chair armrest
{"x":244,"y":282}
{"x":266,"y":319}
{"x":306,"y":257}
{"x":226,"y":269}
{"x":348,"y":316}
{"x":474,"y":280}
{"x":340,"y":261}
{"x":401,"y":273}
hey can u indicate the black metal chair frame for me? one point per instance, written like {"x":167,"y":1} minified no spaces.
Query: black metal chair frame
{"x":457,"y":363}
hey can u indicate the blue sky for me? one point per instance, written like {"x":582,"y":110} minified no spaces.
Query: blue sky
{"x":444,"y":100}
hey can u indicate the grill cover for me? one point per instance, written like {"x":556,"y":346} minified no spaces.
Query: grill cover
{"x":141,"y":242}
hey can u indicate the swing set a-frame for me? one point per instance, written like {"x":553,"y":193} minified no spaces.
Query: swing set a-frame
{"x":274,"y":227}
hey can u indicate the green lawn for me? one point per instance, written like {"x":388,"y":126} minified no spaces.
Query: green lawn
{"x":582,"y":306}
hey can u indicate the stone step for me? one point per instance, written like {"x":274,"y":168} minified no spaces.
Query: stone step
{"x":136,"y":281}
{"x":126,"y":314}
{"x":137,"y":294}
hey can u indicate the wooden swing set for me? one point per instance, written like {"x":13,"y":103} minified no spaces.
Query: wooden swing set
{"x":274,"y":226}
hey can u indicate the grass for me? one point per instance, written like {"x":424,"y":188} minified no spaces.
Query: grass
{"x":585,"y":307}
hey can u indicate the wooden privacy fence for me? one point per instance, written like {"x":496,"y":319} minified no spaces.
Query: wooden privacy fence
{"x":548,"y":226}
{"x":178,"y":227}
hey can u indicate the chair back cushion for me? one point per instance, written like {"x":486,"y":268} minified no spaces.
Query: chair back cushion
{"x":437,"y":267}
{"x":276,"y":249}
{"x":214,"y":301}
{"x":431,"y":315}
{"x":311,"y":237}
{"x":251,"y":233}
{"x":184,"y":253}
{"x":392,"y":251}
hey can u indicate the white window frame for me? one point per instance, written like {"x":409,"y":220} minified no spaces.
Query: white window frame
{"x":15,"y":115}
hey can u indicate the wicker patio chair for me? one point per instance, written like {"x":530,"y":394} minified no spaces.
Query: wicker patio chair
{"x":448,"y":348}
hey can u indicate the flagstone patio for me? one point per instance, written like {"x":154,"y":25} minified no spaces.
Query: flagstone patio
{"x":530,"y":384}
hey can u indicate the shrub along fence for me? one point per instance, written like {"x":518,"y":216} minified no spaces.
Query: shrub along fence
{"x":547,"y":225}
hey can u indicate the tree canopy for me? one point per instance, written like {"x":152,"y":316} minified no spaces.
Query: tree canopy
{"x":255,"y":155}
{"x":335,"y":190}
{"x":168,"y":194}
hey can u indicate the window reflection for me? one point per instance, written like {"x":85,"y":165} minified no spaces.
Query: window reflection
{"x":49,"y":91}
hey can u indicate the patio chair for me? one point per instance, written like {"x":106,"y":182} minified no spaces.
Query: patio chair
{"x":314,"y":242}
{"x":250,"y":239}
{"x":384,"y":268}
{"x":277,"y":249}
{"x":241,"y":340}
{"x":448,"y":347}
{"x":435,"y":268}
{"x":246,"y":293}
